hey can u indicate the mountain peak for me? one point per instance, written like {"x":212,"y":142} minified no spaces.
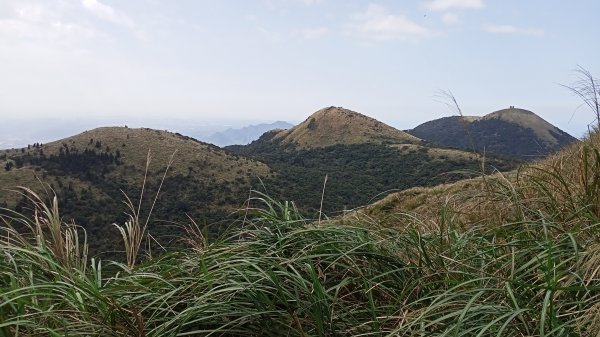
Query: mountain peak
{"x":511,"y":114}
{"x":511,"y":131}
{"x":525,"y":118}
{"x":336,"y":125}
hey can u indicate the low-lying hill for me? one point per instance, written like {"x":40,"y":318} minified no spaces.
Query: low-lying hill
{"x":89,"y":170}
{"x":513,"y":131}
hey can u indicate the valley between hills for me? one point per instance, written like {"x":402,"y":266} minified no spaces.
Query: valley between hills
{"x":340,"y":225}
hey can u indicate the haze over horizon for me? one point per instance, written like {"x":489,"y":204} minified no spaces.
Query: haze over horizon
{"x":267,"y":60}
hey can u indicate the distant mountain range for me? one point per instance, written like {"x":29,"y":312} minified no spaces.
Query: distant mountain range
{"x":512,"y":132}
{"x":245,"y":135}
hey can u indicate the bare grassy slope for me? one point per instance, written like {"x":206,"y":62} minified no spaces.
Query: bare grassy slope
{"x":334,"y":125}
{"x":542,"y":129}
{"x":573,"y":173}
{"x":512,"y":131}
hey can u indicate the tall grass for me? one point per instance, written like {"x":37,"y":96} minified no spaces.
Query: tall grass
{"x":134,"y":231}
{"x":46,"y":286}
{"x":526,"y":262}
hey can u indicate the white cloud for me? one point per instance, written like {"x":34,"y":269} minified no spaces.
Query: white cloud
{"x":443,"y":5}
{"x":30,"y":12}
{"x":450,"y":18}
{"x":38,"y":22}
{"x":510,"y":29}
{"x":376,"y":23}
{"x":107,"y":13}
{"x":279,"y":4}
{"x":314,"y":33}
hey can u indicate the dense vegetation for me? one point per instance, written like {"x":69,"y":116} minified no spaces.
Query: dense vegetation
{"x":526,"y":263}
{"x":357,"y":173}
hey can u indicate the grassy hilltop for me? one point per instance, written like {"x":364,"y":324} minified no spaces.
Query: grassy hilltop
{"x":91,"y":171}
{"x":512,"y":131}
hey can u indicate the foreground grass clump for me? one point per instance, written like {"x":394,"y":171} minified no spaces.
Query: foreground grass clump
{"x":523,"y":259}
{"x":278,"y":275}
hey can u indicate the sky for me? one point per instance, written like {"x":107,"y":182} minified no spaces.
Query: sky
{"x":200,"y":60}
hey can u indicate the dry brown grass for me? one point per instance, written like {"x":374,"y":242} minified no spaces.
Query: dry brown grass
{"x":554,"y":186}
{"x":331,"y":126}
{"x":467,"y":201}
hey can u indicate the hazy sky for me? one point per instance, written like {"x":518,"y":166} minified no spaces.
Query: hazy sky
{"x":284,"y":59}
